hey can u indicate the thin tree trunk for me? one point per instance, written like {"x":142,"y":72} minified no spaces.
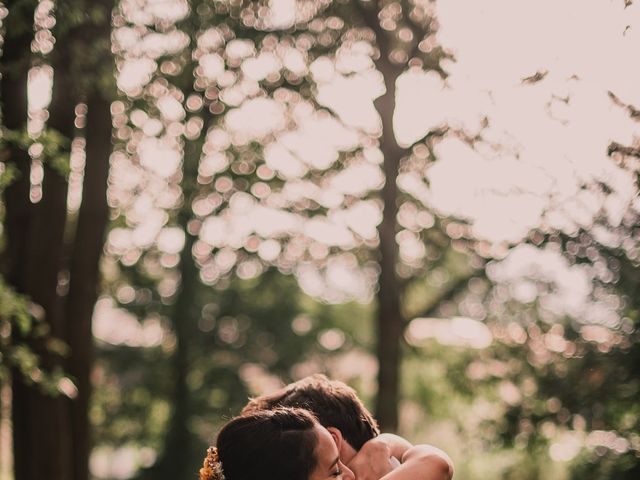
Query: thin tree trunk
{"x":13,"y":92}
{"x":46,"y":433}
{"x":174,"y":461}
{"x":389,"y":317}
{"x":46,"y":426}
{"x":389,"y":321}
{"x":93,"y":217}
{"x":84,"y":274}
{"x":17,"y":225}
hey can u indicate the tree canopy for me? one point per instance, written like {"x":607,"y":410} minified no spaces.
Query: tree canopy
{"x":434,"y":201}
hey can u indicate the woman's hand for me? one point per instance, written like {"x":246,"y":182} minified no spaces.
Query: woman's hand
{"x":419,"y":462}
{"x":372,"y":462}
{"x":423,"y":462}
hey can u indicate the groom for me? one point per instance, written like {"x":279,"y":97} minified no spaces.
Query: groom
{"x":362,"y":448}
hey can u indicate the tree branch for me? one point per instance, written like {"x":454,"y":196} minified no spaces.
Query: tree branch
{"x":450,"y":292}
{"x":634,"y":113}
{"x":418,"y":31}
{"x":615,"y":147}
{"x":369,"y":16}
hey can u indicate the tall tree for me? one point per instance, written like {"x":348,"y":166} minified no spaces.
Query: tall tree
{"x":51,"y":435}
{"x":16,"y":62}
{"x":91,"y":223}
{"x":402,"y":30}
{"x":402,"y":35}
{"x":184,"y":315}
{"x":31,"y":269}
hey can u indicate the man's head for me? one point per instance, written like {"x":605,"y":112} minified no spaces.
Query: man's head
{"x":334,"y":403}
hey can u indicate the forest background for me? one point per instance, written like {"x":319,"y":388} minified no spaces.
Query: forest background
{"x":436,"y":202}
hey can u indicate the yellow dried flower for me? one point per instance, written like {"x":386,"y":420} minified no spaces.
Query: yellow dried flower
{"x":211,"y":467}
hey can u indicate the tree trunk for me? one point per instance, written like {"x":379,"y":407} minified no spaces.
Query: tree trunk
{"x":42,"y":441}
{"x":174,"y":461}
{"x":93,"y":217}
{"x":13,"y":90}
{"x":390,"y":323}
{"x":44,"y":418}
{"x":84,"y":274}
{"x":51,"y":435}
{"x":38,"y":451}
{"x":45,"y":430}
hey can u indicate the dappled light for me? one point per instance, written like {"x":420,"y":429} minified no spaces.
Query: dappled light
{"x":436,"y":202}
{"x":458,"y":331}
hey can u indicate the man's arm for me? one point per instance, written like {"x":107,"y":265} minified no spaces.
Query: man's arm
{"x":421,"y":462}
{"x":372,"y":461}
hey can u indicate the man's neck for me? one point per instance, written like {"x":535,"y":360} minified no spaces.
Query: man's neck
{"x":347,"y":452}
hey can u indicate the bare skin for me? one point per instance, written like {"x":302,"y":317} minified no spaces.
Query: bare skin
{"x":375,"y":460}
{"x":328,"y":463}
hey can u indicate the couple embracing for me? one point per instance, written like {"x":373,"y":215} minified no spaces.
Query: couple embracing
{"x":316,"y":429}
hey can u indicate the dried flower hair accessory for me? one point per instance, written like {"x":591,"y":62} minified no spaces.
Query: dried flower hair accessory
{"x":211,"y":467}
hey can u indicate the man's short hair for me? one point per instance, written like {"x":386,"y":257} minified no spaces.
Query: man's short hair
{"x":334,"y":403}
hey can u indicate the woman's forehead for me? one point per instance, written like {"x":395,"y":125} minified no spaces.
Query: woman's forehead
{"x":326,"y":450}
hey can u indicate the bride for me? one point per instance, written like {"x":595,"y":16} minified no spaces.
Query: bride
{"x":289,"y":444}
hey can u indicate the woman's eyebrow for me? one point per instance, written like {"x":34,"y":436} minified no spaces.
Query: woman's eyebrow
{"x":333,"y":464}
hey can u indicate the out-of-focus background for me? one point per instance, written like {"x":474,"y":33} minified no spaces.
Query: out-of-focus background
{"x":434,"y":201}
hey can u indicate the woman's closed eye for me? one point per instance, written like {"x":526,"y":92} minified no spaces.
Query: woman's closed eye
{"x":337,"y":472}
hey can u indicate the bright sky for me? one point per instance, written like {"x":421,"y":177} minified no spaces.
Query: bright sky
{"x":548,"y":145}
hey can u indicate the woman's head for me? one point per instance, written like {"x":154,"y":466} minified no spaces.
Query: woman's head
{"x":285,"y":443}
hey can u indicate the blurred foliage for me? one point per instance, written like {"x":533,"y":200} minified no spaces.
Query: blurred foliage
{"x":250,"y":335}
{"x":51,"y":146}
{"x":499,"y":411}
{"x":21,"y":320}
{"x":20,"y":324}
{"x":14,"y":315}
{"x":520,"y":408}
{"x":546,"y":398}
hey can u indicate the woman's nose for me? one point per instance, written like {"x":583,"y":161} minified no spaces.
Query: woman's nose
{"x":347,"y":474}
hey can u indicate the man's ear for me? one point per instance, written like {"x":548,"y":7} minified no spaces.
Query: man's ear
{"x":337,"y":436}
{"x":345,"y":450}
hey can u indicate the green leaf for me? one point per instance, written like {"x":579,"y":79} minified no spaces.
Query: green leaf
{"x":55,"y":345}
{"x":24,"y":323}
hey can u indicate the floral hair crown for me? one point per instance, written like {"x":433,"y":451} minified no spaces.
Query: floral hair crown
{"x":211,"y":467}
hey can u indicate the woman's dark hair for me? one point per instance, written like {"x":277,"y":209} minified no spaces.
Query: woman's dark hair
{"x":268,"y":445}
